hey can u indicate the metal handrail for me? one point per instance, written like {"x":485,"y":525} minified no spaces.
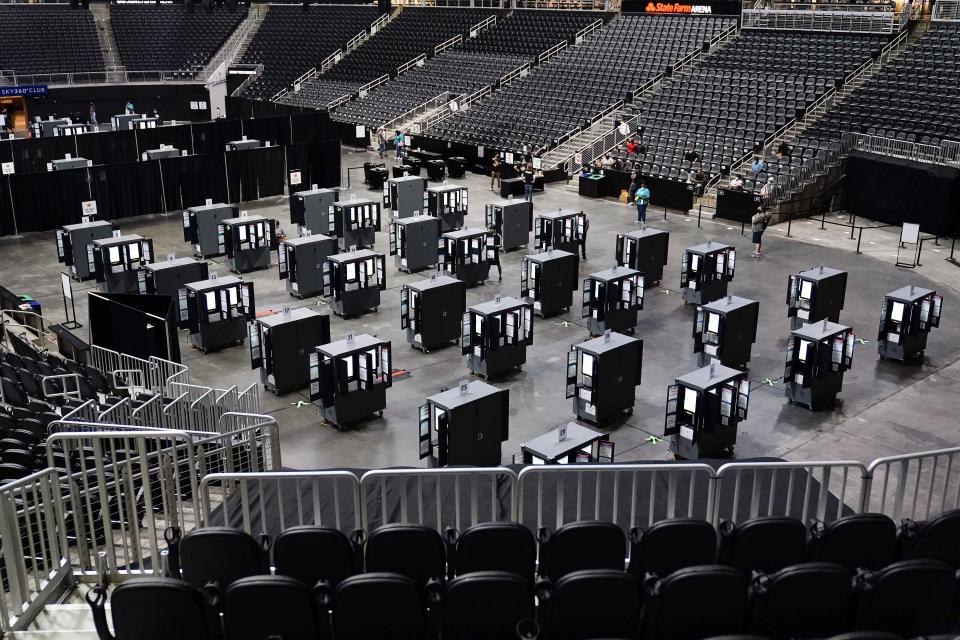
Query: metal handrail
{"x":373,"y":84}
{"x":510,"y":76}
{"x":579,"y":36}
{"x":355,"y":41}
{"x":484,"y":24}
{"x":551,"y":52}
{"x":422,"y":108}
{"x":447,"y":44}
{"x":458,"y":104}
{"x":402,"y":69}
{"x":379,"y":23}
{"x":945,"y":10}
{"x":336,"y":102}
{"x":823,"y":20}
{"x":257,"y":71}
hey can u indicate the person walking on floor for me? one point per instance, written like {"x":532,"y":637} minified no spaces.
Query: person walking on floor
{"x":494,"y":249}
{"x":583,"y":236}
{"x":642,"y":199}
{"x":381,"y":142}
{"x":93,"y":115}
{"x":528,"y":177}
{"x":758,"y":224}
{"x":398,"y":139}
{"x":495,"y":174}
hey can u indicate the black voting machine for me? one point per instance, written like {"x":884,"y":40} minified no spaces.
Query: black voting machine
{"x":818,"y":354}
{"x":248,"y":242}
{"x":74,"y":246}
{"x":495,"y":336}
{"x":512,"y":220}
{"x":467,"y":254}
{"x":300,"y":262}
{"x":414,"y":241}
{"x":218,"y":310}
{"x":280,"y":347}
{"x":611,"y":299}
{"x":705,"y":272}
{"x":310,"y":209}
{"x":449,"y":203}
{"x":465,"y":426}
{"x":355,"y":223}
{"x":908,"y":314}
{"x":725,"y":330}
{"x":170,"y":278}
{"x":405,"y":197}
{"x":704,"y":408}
{"x":201,"y":228}
{"x":645,"y":250}
{"x":117,"y":262}
{"x":349,"y":378}
{"x":602,"y":376}
{"x":560,"y":229}
{"x":431,"y":311}
{"x":352,"y":281}
{"x":548,"y":280}
{"x":815,"y":294}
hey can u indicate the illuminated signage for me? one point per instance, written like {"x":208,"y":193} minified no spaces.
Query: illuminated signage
{"x":677,"y":7}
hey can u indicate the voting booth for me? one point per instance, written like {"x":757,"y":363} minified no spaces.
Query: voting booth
{"x":170,"y":278}
{"x":818,"y":354}
{"x":117,"y":260}
{"x":63,"y":164}
{"x":906,"y":318}
{"x":352,"y":281}
{"x":705,"y":272}
{"x":201,"y":228}
{"x":570,"y":443}
{"x":465,"y":426}
{"x":300,"y":262}
{"x":431,"y":311}
{"x":281,"y":344}
{"x":704,"y":408}
{"x":162,"y":153}
{"x":349,"y":379}
{"x":405,"y":197}
{"x":310,"y":210}
{"x":559,"y":229}
{"x":645,"y":250}
{"x":248,"y":242}
{"x":815,"y":294}
{"x":414,"y":242}
{"x":611,"y":300}
{"x":243,"y":144}
{"x":449,"y":203}
{"x":602,"y":376}
{"x":548,"y":280}
{"x":376,"y":176}
{"x":218,"y":310}
{"x":724,"y":330}
{"x":495,"y":336}
{"x":355,"y":222}
{"x":75,"y":246}
{"x":467,"y":255}
{"x":513,"y":220}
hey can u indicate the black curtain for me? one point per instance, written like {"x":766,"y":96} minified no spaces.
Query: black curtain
{"x":318,"y":163}
{"x":129,"y":189}
{"x":190,"y":180}
{"x":212,"y":137}
{"x":109,"y":147}
{"x":310,"y":127}
{"x":31,"y":155}
{"x":255,"y":173}
{"x":177,"y":137}
{"x":7,"y":227}
{"x":6,"y":151}
{"x":45,"y":201}
{"x":274,"y":130}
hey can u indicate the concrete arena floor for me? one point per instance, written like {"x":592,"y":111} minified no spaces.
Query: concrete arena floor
{"x":884,"y":409}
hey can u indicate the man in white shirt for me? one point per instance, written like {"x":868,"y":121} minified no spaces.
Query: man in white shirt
{"x":736,"y":183}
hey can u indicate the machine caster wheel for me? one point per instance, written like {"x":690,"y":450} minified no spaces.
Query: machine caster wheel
{"x":375,"y":309}
{"x":630,"y":411}
{"x":341,"y":428}
{"x":519,"y":368}
{"x":380,"y":413}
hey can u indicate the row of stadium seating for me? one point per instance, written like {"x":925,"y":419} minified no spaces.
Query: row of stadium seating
{"x":479,"y":62}
{"x":41,"y":39}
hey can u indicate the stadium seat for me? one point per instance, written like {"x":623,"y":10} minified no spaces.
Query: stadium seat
{"x":576,"y":546}
{"x":909,"y":598}
{"x":377,"y":605}
{"x":673,"y":544}
{"x":154,"y":608}
{"x":858,"y":541}
{"x":695,"y":602}
{"x":485,"y":605}
{"x":937,"y":538}
{"x":765,"y":544}
{"x":596,"y":603}
{"x":803,"y":601}
{"x":494,"y":546}
{"x":310,"y":554}
{"x":220,"y":555}
{"x":413,"y":551}
{"x":260,"y":607}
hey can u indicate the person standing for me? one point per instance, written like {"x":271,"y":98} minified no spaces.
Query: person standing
{"x":381,"y":142}
{"x":642,"y":199}
{"x":129,"y":107}
{"x":495,"y":174}
{"x":634,"y":185}
{"x":528,"y":178}
{"x":3,"y":120}
{"x":93,"y":115}
{"x":758,"y":224}
{"x":398,"y":143}
{"x":495,"y":250}
{"x":766,"y":192}
{"x":583,"y":236}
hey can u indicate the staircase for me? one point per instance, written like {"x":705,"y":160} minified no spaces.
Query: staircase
{"x":116,"y":72}
{"x":236,"y":45}
{"x":70,"y":619}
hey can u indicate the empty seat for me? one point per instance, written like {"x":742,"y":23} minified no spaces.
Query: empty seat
{"x":596,"y":603}
{"x":588,"y":544}
{"x":220,"y":555}
{"x":262,"y":607}
{"x":858,"y":541}
{"x":672,"y":544}
{"x":486,"y":605}
{"x":937,"y":538}
{"x":909,"y":598}
{"x":694,"y":603}
{"x":376,"y":605}
{"x":310,"y":554}
{"x":154,"y":608}
{"x":410,"y":550}
{"x":495,"y":546}
{"x":765,"y":544}
{"x":803,"y":601}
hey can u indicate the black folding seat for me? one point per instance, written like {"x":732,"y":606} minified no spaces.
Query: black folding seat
{"x":694,"y":603}
{"x":576,"y":546}
{"x":153,"y":608}
{"x":376,"y":605}
{"x":310,"y":554}
{"x":595,"y":603}
{"x":937,"y":538}
{"x":19,"y":457}
{"x":10,"y":471}
{"x":909,"y":598}
{"x":485,"y":605}
{"x":810,"y":600}
{"x":858,"y":541}
{"x":414,"y":551}
{"x":259,"y":607}
{"x":673,"y":544}
{"x":493,"y":546}
{"x":218,"y":554}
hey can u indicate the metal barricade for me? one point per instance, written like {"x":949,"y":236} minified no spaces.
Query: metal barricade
{"x":945,"y":10}
{"x":35,"y":556}
{"x":439,"y":498}
{"x":915,"y":486}
{"x":630,"y":495}
{"x":804,"y":490}
{"x":268,"y":503}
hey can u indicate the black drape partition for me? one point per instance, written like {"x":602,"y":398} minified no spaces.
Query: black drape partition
{"x":45,"y":201}
{"x":255,"y":173}
{"x":317,"y":162}
{"x":895,"y":191}
{"x":190,"y":180}
{"x":7,"y":226}
{"x":274,"y":130}
{"x":31,"y":155}
{"x":177,"y":137}
{"x":109,"y":147}
{"x":130,"y":189}
{"x":212,"y":137}
{"x":310,"y":127}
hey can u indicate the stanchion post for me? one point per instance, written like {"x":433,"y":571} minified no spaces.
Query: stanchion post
{"x":789,"y":225}
{"x":859,"y":238}
{"x":699,"y":214}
